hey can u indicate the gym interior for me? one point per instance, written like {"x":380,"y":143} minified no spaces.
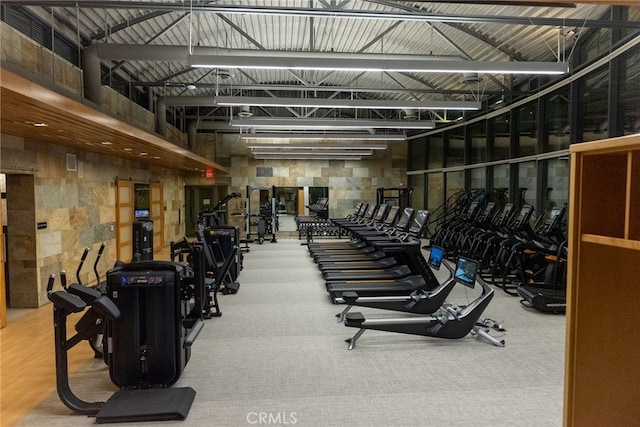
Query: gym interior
{"x":202,"y":201}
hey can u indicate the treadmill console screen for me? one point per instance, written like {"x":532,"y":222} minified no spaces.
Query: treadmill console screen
{"x":405,"y":218}
{"x":419,"y":222}
{"x":466,"y":270}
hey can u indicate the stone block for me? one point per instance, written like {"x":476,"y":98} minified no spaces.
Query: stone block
{"x":49,"y":244}
{"x":78,"y":217}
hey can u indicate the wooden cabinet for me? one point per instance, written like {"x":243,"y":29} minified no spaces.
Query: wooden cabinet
{"x":602,"y":368}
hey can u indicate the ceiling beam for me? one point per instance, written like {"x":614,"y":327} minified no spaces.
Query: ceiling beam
{"x":417,"y":15}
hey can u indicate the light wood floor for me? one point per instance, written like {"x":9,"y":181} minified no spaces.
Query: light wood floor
{"x":28,"y":363}
{"x":27,"y":359}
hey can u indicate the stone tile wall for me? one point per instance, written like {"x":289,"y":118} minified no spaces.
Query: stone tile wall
{"x":79,"y":211}
{"x":348,"y":181}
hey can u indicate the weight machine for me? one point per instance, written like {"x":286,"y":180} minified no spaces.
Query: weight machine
{"x":264,"y":222}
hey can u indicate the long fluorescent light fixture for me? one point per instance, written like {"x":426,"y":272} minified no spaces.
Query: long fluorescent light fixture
{"x":317,"y":146}
{"x":305,"y":157}
{"x":325,"y":137}
{"x":390,"y":64}
{"x":314,"y":153}
{"x":306,"y":124}
{"x":239,"y":101}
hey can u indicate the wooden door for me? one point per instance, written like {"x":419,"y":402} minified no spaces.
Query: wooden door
{"x":156,"y":214}
{"x":300,"y":206}
{"x":125,"y":199}
{"x":3,"y":297}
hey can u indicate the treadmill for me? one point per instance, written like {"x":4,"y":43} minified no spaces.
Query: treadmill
{"x":398,"y":248}
{"x":418,"y":301}
{"x":355,"y":246}
{"x":420,"y":279}
{"x":400,"y":226}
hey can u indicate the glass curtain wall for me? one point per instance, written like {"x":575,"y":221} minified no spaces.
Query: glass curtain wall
{"x":417,"y":182}
{"x":501,"y":137}
{"x":557,"y":191}
{"x":478,"y":135}
{"x":478,"y":178}
{"x":501,"y":179}
{"x":435,"y":199}
{"x":527,"y":183}
{"x":504,"y":139}
{"x":630,"y":91}
{"x":526,"y":127}
{"x":435,"y":158}
{"x":594,"y":104}
{"x":557,"y":119}
{"x":455,"y":148}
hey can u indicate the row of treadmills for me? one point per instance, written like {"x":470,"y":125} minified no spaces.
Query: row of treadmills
{"x":382,"y":267}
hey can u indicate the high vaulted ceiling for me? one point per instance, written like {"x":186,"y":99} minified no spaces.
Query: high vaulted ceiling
{"x":500,"y":31}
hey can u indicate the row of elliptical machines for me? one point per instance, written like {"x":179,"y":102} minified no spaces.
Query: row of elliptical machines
{"x":524,"y":261}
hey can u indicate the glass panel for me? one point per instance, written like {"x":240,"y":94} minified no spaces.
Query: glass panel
{"x":526,"y":130}
{"x":125,"y":195}
{"x":501,"y":141}
{"x":142,"y":193}
{"x":501,"y":179}
{"x":527,"y":173}
{"x":478,"y":132}
{"x":125,"y":234}
{"x":478,"y":178}
{"x":595,"y":45}
{"x":417,"y":150}
{"x":455,"y":148}
{"x":435,"y":194}
{"x":126,"y":214}
{"x":417,"y":197}
{"x":436,"y":150}
{"x":455,"y":183}
{"x":593,"y":105}
{"x":557,"y":193}
{"x":633,"y":16}
{"x":629,"y":90}
{"x":556,"y":107}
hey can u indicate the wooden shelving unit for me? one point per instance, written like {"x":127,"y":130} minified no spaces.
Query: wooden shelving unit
{"x":602,"y":368}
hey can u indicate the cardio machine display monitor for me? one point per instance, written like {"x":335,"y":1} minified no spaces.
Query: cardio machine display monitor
{"x":141,"y":213}
{"x":405,"y":218}
{"x":419,"y":222}
{"x":466,"y":271}
{"x":393,"y":211}
{"x":435,"y":257}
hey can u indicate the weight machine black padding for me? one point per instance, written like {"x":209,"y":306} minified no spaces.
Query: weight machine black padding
{"x":158,"y":404}
{"x":147,"y":345}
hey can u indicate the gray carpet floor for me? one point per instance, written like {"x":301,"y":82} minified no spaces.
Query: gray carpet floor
{"x":277,"y":356}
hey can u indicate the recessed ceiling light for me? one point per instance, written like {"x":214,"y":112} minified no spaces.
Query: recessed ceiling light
{"x":143,"y":153}
{"x":106,"y":143}
{"x":156,"y":157}
{"x":127,"y":149}
{"x":40,"y":125}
